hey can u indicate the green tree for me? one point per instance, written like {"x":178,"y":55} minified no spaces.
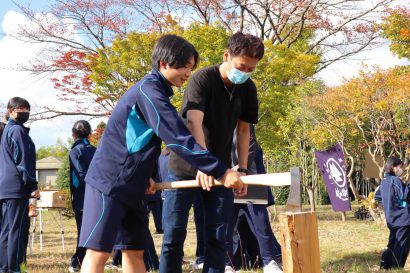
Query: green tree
{"x":59,"y":150}
{"x":277,"y":77}
{"x":63,"y":175}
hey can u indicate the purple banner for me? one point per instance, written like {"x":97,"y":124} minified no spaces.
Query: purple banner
{"x":332,"y":166}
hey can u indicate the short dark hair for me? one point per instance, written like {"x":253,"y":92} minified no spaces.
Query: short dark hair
{"x":241,"y":44}
{"x":392,"y":162}
{"x":174,"y":50}
{"x":18,"y":103}
{"x":81,"y":128}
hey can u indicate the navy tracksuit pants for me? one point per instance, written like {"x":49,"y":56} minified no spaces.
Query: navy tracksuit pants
{"x":151,"y":260}
{"x":14,"y":231}
{"x":397,"y":248}
{"x":199,"y":227}
{"x":156,"y":208}
{"x":78,"y":257}
{"x":258,"y":219}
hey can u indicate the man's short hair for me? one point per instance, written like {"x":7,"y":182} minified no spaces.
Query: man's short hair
{"x":174,"y":50}
{"x":241,"y":44}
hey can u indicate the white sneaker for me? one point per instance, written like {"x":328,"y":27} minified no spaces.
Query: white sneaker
{"x":272,"y":267}
{"x":195,"y":266}
{"x":73,"y":269}
{"x":229,"y":269}
{"x":113,"y":268}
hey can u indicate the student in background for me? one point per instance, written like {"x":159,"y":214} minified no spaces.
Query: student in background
{"x":253,"y":208}
{"x":17,"y":184}
{"x":2,"y":126}
{"x":394,"y":195}
{"x":80,"y":158}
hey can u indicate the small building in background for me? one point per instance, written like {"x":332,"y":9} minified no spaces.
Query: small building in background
{"x":46,"y":171}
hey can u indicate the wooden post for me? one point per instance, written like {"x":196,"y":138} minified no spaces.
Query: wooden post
{"x":300,"y":242}
{"x":343,"y":216}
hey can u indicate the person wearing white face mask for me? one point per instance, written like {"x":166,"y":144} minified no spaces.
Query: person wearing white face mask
{"x":394,"y":196}
{"x":17,"y":184}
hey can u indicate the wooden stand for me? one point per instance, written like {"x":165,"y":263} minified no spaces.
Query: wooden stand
{"x":40,"y":218}
{"x":300,"y":242}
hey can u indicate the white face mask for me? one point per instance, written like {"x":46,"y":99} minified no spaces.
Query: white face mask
{"x":399,"y":172}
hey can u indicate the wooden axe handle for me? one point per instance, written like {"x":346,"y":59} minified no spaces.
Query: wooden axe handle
{"x":273,"y":179}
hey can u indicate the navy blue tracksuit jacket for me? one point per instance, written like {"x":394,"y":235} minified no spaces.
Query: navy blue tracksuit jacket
{"x":17,"y":162}
{"x":80,"y":157}
{"x":393,"y":194}
{"x":17,"y":182}
{"x":131,"y":142}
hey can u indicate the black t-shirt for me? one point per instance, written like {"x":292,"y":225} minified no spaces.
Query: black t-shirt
{"x":222,"y":107}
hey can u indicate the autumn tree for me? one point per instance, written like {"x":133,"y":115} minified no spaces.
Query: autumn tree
{"x":73,"y":30}
{"x":370,"y":112}
{"x":96,"y":135}
{"x":396,"y":28}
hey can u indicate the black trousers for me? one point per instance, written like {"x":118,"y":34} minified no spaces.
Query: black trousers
{"x":14,"y":231}
{"x":397,"y":248}
{"x":78,"y":257}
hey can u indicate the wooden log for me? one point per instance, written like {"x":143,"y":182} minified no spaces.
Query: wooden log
{"x":300,"y":242}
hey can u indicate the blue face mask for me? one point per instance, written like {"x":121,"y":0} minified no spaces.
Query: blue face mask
{"x":238,"y":77}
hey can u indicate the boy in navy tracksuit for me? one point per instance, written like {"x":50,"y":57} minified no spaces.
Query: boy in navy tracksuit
{"x":17,"y":184}
{"x":114,"y":206}
{"x":393,"y":194}
{"x":80,"y":158}
{"x":256,"y":214}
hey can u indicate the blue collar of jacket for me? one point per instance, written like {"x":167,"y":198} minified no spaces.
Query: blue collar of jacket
{"x":12,"y":122}
{"x":168,"y":88}
{"x":80,"y":141}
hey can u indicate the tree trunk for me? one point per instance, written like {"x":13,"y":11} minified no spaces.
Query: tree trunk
{"x":349,"y":175}
{"x":354,"y":189}
{"x":343,"y":216}
{"x":311,"y":194}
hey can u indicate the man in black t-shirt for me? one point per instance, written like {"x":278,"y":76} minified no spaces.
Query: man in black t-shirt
{"x":217,"y":100}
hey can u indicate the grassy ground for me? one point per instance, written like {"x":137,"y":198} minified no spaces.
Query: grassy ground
{"x":353,"y":246}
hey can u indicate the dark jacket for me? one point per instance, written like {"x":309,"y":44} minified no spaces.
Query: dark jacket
{"x":393,"y":194}
{"x":131,"y":143}
{"x":17,"y":162}
{"x":2,"y":126}
{"x":80,"y":157}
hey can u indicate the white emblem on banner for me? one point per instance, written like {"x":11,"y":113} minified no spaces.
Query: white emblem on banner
{"x":338,"y":176}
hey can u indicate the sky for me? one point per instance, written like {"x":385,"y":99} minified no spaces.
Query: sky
{"x":39,"y":91}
